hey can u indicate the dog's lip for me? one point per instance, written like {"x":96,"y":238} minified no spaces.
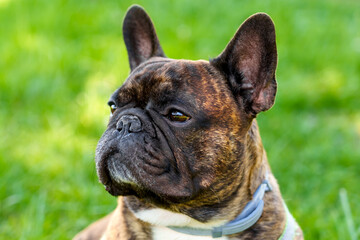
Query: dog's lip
{"x":117,"y":191}
{"x":103,"y":172}
{"x":108,"y":188}
{"x":141,"y":191}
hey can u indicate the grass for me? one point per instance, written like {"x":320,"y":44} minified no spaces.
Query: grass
{"x":60,"y":61}
{"x":349,"y":219}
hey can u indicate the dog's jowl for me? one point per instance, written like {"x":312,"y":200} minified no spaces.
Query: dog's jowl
{"x":182,"y":149}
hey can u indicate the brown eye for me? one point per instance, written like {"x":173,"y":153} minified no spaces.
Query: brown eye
{"x":177,"y":116}
{"x":112,"y":108}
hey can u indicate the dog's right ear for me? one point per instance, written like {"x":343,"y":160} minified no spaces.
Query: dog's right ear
{"x":140,"y":37}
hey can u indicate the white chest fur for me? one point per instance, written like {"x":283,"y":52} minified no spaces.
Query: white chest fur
{"x":161,"y":218}
{"x":161,"y":233}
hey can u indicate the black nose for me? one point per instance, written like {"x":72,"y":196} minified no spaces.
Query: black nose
{"x":129,"y":123}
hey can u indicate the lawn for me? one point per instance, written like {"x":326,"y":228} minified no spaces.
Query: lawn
{"x":60,"y":61}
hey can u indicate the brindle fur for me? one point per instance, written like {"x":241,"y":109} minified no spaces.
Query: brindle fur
{"x":221,"y":157}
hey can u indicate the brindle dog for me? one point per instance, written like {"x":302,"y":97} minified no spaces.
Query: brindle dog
{"x":182,"y":147}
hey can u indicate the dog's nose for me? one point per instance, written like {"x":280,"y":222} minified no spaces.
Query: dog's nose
{"x":129,"y":123}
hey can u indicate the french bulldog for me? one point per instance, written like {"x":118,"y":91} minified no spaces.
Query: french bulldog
{"x":182,"y":149}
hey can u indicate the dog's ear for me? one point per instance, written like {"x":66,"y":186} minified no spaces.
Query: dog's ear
{"x":249,"y":62}
{"x":140,"y":37}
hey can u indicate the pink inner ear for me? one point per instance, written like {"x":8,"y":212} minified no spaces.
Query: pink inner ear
{"x":144,"y":46}
{"x":250,"y":61}
{"x":265,"y":98}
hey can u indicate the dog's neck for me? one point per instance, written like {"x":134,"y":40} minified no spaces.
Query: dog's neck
{"x":260,"y":166}
{"x":274,"y":213}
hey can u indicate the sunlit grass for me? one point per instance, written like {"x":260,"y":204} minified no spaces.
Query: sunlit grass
{"x":353,"y":231}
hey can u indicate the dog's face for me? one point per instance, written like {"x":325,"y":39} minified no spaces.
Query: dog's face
{"x":178,"y":128}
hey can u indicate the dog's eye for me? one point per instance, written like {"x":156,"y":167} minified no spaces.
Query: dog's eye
{"x":177,"y":116}
{"x":112,"y":108}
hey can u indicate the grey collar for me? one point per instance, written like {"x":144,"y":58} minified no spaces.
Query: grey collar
{"x":291,"y":226}
{"x":247,"y":218}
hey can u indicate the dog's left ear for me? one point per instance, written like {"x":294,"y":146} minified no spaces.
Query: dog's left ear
{"x":140,"y":37}
{"x":249,"y":62}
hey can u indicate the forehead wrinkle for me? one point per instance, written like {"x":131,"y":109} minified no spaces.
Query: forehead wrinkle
{"x":142,"y":81}
{"x":169,"y":76}
{"x":208,"y":88}
{"x":149,"y":69}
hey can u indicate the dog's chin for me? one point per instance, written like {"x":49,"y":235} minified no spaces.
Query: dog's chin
{"x":120,"y":189}
{"x":127,"y":189}
{"x":124,"y":183}
{"x":121,"y":183}
{"x":130,"y":189}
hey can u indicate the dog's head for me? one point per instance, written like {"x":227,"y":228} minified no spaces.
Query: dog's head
{"x":178,"y":127}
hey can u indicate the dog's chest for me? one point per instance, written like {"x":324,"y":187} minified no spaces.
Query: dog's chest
{"x":160,"y":218}
{"x":161,"y":233}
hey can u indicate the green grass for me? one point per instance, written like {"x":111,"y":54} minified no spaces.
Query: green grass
{"x":60,"y":61}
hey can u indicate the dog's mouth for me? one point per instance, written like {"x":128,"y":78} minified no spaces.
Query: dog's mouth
{"x":159,"y":189}
{"x":141,"y":166}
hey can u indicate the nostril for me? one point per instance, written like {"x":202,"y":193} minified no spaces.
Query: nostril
{"x":119,"y":125}
{"x":135,"y":126}
{"x":131,"y":123}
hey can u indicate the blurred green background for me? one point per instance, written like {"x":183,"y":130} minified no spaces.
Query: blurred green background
{"x":60,"y":61}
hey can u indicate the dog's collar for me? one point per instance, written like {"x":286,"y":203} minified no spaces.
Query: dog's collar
{"x":247,"y":218}
{"x":290,"y":227}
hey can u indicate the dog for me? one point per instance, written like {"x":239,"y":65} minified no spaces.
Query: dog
{"x":182,"y":149}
